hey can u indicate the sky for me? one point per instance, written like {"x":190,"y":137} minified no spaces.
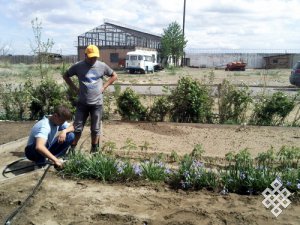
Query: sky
{"x":209,"y":24}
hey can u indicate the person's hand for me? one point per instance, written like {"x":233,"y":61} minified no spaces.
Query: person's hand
{"x":58,"y":164}
{"x":62,"y":137}
{"x":102,"y":89}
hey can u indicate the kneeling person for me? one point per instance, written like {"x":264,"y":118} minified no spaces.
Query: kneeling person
{"x":50,"y":137}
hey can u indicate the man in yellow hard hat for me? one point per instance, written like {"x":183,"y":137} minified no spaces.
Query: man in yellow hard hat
{"x":90,"y":73}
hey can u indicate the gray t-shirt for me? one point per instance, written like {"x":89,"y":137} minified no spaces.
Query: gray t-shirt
{"x":90,"y":80}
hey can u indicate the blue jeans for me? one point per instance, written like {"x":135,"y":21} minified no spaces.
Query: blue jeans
{"x":57,"y":149}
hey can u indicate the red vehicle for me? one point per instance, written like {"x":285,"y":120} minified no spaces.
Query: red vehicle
{"x":236,"y":66}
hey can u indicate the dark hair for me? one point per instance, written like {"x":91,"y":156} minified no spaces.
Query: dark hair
{"x":63,"y":112}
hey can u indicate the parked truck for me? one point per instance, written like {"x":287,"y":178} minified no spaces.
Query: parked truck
{"x":236,"y":66}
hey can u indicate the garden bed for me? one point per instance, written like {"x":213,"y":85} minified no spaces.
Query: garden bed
{"x":65,"y":201}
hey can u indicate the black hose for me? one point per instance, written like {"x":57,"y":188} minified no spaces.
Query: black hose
{"x":13,"y":163}
{"x":14,"y":213}
{"x":5,"y":170}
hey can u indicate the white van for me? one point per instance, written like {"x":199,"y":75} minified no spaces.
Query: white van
{"x":140,"y":61}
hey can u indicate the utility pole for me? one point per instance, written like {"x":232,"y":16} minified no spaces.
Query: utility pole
{"x":183,"y":25}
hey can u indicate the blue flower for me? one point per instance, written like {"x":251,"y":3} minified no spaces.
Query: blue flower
{"x":120,"y":169}
{"x":137,"y":169}
{"x":168,"y":171}
{"x":184,"y":185}
{"x":186,"y":174}
{"x":120,"y":166}
{"x":197,"y":164}
{"x":242,"y":175}
{"x":160,"y":164}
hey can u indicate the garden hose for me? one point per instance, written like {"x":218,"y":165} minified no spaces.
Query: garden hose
{"x":11,"y":164}
{"x":14,"y":213}
{"x":7,"y":170}
{"x":9,"y":219}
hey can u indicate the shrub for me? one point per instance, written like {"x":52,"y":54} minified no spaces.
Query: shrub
{"x":15,"y":101}
{"x":159,"y":110}
{"x":190,"y":102}
{"x":130,"y":107}
{"x":71,"y":95}
{"x":273,"y":110}
{"x":108,"y":99}
{"x":233,"y":103}
{"x":45,"y":97}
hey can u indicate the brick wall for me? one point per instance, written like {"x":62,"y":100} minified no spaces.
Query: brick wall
{"x":105,"y":54}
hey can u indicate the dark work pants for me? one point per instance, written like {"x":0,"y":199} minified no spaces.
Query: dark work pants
{"x":57,"y":149}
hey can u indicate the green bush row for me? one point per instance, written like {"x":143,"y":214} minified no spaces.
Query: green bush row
{"x":31,"y":102}
{"x":193,"y":102}
{"x":189,"y":102}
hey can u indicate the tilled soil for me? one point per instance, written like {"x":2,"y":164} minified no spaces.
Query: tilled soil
{"x":64,"y":201}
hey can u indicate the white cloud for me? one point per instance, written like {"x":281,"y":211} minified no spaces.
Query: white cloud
{"x":235,"y":24}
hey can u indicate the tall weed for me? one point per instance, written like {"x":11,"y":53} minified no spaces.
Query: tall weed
{"x":233,"y":103}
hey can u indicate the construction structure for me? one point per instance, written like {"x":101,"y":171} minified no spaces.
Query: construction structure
{"x":115,"y":40}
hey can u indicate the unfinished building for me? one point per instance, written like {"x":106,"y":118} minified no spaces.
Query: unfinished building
{"x":115,"y":40}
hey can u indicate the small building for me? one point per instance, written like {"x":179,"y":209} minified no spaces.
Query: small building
{"x":115,"y":40}
{"x":49,"y":57}
{"x":282,"y":61}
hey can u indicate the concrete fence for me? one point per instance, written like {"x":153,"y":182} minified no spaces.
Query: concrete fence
{"x":31,"y":59}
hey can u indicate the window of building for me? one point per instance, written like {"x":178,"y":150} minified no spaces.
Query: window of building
{"x":114,"y":57}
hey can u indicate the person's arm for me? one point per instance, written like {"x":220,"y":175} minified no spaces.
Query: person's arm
{"x":70,"y":82}
{"x":112,"y":79}
{"x":63,"y":133}
{"x":41,"y":148}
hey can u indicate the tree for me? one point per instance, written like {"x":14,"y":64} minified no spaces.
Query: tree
{"x":173,"y":42}
{"x":41,"y":48}
{"x":4,"y":48}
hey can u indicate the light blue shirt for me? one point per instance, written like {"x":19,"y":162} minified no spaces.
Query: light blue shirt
{"x":45,"y":129}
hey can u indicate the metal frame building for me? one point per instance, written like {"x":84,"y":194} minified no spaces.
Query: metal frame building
{"x":115,"y":40}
